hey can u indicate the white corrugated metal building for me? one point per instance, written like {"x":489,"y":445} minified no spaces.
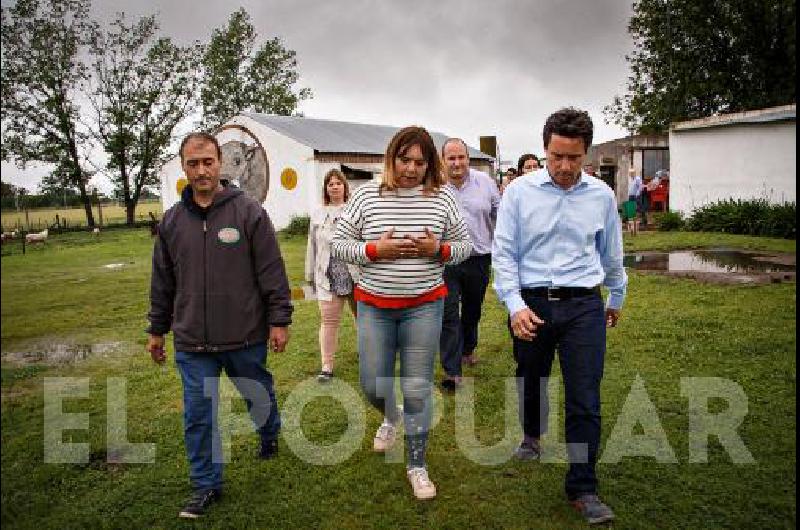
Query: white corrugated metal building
{"x":746,"y":155}
{"x":281,"y":160}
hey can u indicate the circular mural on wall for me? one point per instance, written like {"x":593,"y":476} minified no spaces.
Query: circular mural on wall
{"x":289,"y":178}
{"x":244,"y":161}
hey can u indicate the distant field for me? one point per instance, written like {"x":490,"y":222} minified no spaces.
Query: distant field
{"x":40,"y":219}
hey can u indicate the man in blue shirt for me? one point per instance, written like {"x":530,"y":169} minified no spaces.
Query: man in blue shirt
{"x":558,"y":238}
{"x":466,"y":282}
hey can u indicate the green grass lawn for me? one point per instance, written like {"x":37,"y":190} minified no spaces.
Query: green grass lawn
{"x":61,"y":294}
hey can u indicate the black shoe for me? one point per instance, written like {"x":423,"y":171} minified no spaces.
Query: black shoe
{"x":324,"y":376}
{"x":268,"y":449}
{"x":448,"y":385}
{"x":199,"y":503}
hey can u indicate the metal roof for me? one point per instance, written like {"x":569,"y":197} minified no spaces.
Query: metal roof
{"x":769,"y":115}
{"x":329,"y":136}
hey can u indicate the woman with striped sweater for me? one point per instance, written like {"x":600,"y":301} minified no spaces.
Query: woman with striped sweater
{"x":402,"y":232}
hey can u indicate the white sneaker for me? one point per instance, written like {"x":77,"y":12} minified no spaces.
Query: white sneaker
{"x":423,"y":488}
{"x":385,"y":437}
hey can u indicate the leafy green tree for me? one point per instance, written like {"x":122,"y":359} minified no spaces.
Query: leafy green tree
{"x":697,"y":58}
{"x":43,"y":79}
{"x":238,"y":79}
{"x":144,"y":86}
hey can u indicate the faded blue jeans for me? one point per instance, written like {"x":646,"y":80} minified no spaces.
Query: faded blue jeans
{"x":413,"y":334}
{"x":200,"y":374}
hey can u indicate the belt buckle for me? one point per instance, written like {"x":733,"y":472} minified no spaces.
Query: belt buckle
{"x":552,"y":293}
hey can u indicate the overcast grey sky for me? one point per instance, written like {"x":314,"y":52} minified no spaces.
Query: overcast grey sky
{"x":464,"y":68}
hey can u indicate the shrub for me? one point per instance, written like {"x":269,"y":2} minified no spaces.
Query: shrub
{"x":670,"y":220}
{"x":298,"y":226}
{"x":755,"y":217}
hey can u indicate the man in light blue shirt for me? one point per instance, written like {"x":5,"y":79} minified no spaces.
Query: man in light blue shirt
{"x":478,"y":198}
{"x":558,"y":238}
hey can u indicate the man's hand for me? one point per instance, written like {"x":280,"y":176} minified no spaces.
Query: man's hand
{"x":278,"y":338}
{"x":612,"y":316}
{"x":155,"y":346}
{"x":427,"y":245}
{"x":524,"y":323}
{"x":389,"y":248}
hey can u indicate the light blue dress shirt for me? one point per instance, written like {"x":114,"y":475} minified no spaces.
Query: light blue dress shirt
{"x":547,"y":236}
{"x":479,"y":199}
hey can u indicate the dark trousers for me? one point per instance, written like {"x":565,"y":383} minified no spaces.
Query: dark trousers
{"x":576,"y":327}
{"x":466,"y":287}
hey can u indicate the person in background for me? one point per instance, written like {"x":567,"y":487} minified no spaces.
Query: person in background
{"x":331,"y":279}
{"x":589,"y":170}
{"x":527,"y":163}
{"x":635,"y":192}
{"x":549,"y":279}
{"x":219,"y":283}
{"x":402,"y":231}
{"x":511,"y":174}
{"x":466,"y":282}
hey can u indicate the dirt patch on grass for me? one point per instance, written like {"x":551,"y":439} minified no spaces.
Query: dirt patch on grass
{"x":61,"y":353}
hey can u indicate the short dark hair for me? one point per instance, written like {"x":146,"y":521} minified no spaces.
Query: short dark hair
{"x":204,"y":137}
{"x":522,"y":159}
{"x":451,"y":140}
{"x":570,"y":123}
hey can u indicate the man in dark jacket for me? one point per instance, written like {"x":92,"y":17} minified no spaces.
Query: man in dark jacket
{"x":220,"y":285}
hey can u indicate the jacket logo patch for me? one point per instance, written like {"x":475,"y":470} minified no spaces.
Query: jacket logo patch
{"x":228,"y":235}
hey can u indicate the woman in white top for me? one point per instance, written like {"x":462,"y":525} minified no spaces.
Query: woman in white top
{"x":331,"y":279}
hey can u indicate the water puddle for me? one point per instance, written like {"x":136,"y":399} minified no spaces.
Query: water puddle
{"x":712,"y":260}
{"x":717,"y":265}
{"x":61,"y":353}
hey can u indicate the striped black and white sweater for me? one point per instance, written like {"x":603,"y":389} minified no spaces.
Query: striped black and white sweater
{"x":369,"y":214}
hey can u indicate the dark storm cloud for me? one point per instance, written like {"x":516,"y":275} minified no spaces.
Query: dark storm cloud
{"x":465,"y":68}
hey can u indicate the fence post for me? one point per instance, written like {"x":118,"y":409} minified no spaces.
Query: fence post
{"x":27,"y":221}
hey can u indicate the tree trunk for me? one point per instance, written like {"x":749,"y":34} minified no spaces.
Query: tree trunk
{"x":87,"y":203}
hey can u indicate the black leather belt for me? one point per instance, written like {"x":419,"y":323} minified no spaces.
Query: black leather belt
{"x":561,"y":293}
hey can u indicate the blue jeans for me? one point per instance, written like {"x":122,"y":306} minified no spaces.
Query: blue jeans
{"x":201,"y":430}
{"x":576,"y":326}
{"x":413,"y":333}
{"x":466,"y":287}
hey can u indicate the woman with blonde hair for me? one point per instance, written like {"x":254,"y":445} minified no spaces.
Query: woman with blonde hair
{"x":331,"y":279}
{"x":402,"y":231}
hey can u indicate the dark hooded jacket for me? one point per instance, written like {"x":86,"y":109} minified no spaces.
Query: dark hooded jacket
{"x":218,"y":280}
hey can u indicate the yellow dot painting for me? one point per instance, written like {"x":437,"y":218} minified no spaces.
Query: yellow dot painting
{"x":289,"y":178}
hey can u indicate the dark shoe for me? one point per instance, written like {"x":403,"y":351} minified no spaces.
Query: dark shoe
{"x":528,"y":451}
{"x":324,"y":376}
{"x":592,"y":509}
{"x":450,"y":383}
{"x":199,"y":503}
{"x":268,"y":449}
